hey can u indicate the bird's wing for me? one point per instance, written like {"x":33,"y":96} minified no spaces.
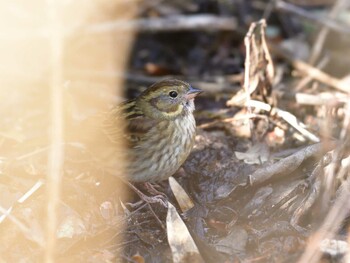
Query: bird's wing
{"x":137,"y":128}
{"x":136,"y":124}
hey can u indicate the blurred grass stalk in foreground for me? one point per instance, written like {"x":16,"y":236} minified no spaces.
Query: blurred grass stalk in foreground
{"x":40,"y":43}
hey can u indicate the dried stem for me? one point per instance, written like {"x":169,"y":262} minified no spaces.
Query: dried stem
{"x":311,"y":71}
{"x":325,"y":21}
{"x":322,"y":35}
{"x":331,"y":224}
{"x":55,"y":158}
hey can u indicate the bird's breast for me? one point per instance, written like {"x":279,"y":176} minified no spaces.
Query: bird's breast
{"x":163,"y":150}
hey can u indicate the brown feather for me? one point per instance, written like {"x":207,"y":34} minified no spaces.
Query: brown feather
{"x":159,"y":129}
{"x":135,"y":127}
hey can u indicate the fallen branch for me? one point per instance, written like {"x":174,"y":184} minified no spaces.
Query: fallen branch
{"x":287,"y":165}
{"x":171,"y":23}
{"x":160,"y":24}
{"x":214,"y":84}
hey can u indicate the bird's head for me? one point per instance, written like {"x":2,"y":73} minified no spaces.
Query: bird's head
{"x":168,"y":99}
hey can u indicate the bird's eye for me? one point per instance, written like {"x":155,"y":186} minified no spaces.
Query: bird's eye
{"x":173,"y":94}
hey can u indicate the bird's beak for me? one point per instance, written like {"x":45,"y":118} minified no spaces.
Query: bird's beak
{"x":193,"y":92}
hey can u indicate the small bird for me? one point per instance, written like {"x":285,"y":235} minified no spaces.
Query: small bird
{"x":160,"y":129}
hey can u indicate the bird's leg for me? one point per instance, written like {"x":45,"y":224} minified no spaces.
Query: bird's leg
{"x":152,"y":190}
{"x":160,"y":198}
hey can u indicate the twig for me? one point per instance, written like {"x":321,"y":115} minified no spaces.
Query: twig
{"x":230,"y":120}
{"x":325,"y":21}
{"x":288,"y":117}
{"x":341,"y":207}
{"x":287,"y":165}
{"x":322,"y":35}
{"x":171,"y":23}
{"x":310,"y":199}
{"x":332,"y":222}
{"x":149,"y":200}
{"x":320,"y":99}
{"x":213,"y":85}
{"x":307,"y":79}
{"x":253,"y":58}
{"x":55,"y":158}
{"x":268,"y":8}
{"x":32,"y":190}
{"x":311,"y":71}
{"x":26,"y":230}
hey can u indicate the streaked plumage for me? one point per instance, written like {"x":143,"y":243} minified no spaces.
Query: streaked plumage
{"x":160,"y":129}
